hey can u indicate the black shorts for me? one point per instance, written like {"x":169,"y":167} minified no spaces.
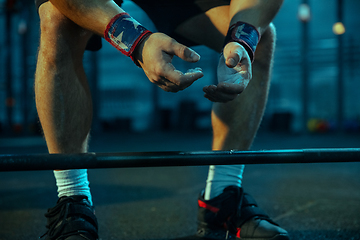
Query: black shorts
{"x":166,"y":15}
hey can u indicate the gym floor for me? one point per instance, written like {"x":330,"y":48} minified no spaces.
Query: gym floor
{"x":311,"y":201}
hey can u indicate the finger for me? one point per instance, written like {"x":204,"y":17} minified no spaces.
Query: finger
{"x":160,"y":81}
{"x":191,"y":76}
{"x":185,"y":53}
{"x":167,"y":88}
{"x":214,"y":94}
{"x":210,"y":90}
{"x":171,"y":87}
{"x":166,"y":85}
{"x":234,"y":53}
{"x":230,"y":88}
{"x":180,"y":79}
{"x":211,"y":98}
{"x":227,"y":88}
{"x":223,"y":98}
{"x":210,"y":93}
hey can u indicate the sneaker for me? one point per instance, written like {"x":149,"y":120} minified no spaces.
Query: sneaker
{"x":72,"y":218}
{"x":235,"y":215}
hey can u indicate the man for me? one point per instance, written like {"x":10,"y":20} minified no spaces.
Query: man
{"x":64,"y":102}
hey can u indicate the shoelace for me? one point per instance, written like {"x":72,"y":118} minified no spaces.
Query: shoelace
{"x":55,"y":228}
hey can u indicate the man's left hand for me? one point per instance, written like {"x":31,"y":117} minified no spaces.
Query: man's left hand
{"x":233,"y":73}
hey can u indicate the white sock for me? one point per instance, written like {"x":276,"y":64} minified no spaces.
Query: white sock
{"x":220,"y":177}
{"x":73,"y":182}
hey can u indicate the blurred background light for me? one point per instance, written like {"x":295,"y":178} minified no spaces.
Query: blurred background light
{"x":304,"y":12}
{"x":339,"y":28}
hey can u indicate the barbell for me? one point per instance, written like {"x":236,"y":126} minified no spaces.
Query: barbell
{"x":30,"y":162}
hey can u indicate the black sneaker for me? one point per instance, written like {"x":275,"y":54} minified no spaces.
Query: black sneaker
{"x":235,"y":215}
{"x":72,"y":218}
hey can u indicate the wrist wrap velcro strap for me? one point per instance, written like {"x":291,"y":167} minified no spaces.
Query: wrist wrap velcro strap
{"x":125,"y":33}
{"x":245,"y":34}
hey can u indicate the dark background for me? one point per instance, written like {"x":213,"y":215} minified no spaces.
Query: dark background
{"x":315,"y":75}
{"x":313,"y":102}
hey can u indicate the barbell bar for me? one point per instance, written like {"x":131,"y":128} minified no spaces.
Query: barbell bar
{"x":30,"y":162}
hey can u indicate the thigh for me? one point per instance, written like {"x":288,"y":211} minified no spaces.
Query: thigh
{"x":208,"y":28}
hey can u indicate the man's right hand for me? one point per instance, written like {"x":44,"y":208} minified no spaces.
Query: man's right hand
{"x":155,"y":54}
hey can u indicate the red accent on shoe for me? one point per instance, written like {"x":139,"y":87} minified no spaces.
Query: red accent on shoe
{"x":238,"y":232}
{"x":208,"y":207}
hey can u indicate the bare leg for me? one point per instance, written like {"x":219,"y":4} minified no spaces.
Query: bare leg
{"x":235,"y":123}
{"x":234,"y":127}
{"x":63,"y":98}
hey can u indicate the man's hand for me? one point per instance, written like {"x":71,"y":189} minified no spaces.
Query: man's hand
{"x":155,"y":55}
{"x":234,"y":74}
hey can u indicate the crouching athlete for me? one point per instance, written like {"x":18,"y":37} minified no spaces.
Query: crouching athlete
{"x":240,"y":30}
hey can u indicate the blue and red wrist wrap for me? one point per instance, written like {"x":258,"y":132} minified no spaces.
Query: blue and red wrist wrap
{"x":245,"y":34}
{"x":125,"y":33}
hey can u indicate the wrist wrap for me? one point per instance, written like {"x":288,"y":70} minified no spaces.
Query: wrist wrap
{"x":125,"y":33}
{"x":245,"y":34}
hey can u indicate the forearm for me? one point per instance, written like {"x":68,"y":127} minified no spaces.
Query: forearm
{"x":258,"y":13}
{"x":93,"y":15}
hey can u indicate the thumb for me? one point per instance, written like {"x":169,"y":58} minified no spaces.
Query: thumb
{"x":186,"y":53}
{"x":234,"y":53}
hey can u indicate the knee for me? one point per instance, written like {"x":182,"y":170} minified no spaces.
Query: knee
{"x":266,"y":47}
{"x":264,"y":55}
{"x":52,"y":22}
{"x":270,"y":33}
{"x":60,"y":32}
{"x":271,"y":29}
